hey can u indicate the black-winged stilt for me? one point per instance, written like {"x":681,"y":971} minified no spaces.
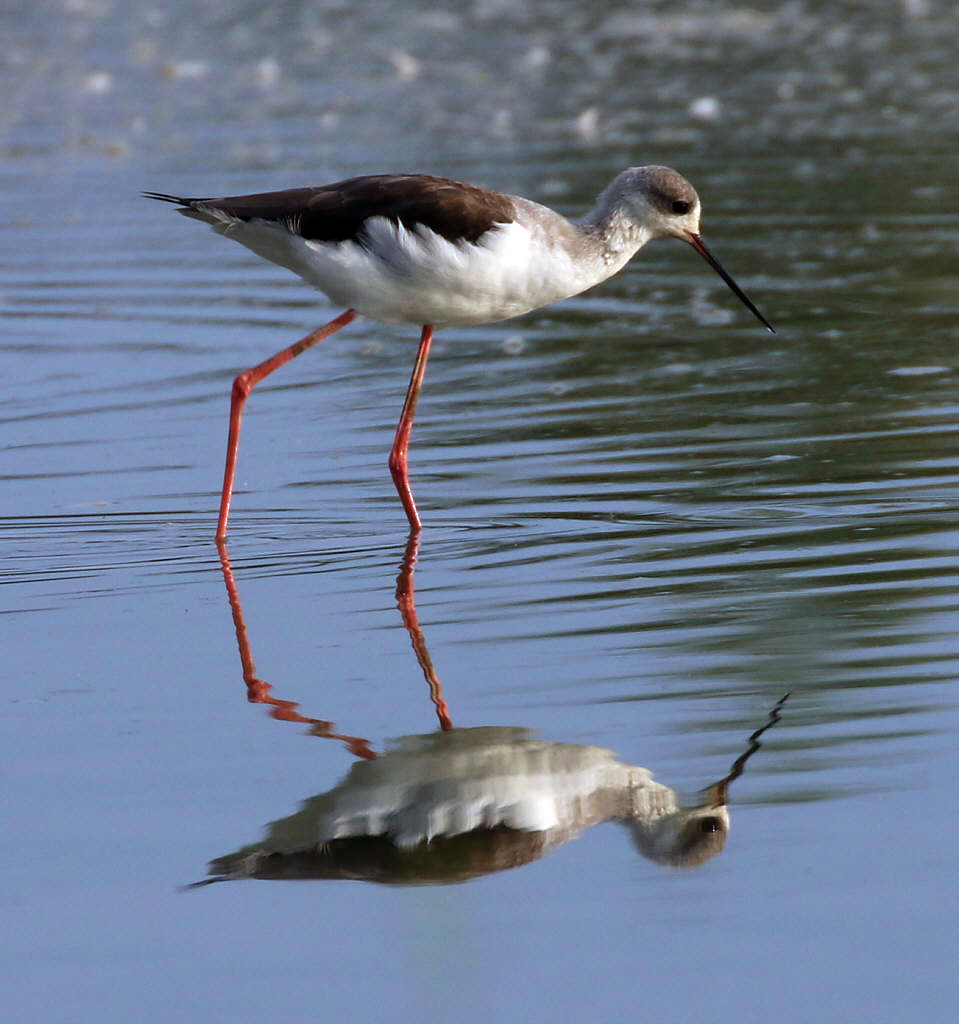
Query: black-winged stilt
{"x":411,"y":248}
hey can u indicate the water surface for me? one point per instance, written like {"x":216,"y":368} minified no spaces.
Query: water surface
{"x":645,"y":518}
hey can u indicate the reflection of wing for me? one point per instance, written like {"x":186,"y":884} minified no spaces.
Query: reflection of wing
{"x":448,"y":806}
{"x":377,"y":859}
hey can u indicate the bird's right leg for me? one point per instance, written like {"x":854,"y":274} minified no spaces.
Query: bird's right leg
{"x":242,"y":387}
{"x":399,"y":466}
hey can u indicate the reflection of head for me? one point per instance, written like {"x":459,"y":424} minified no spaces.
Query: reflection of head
{"x":687,"y":837}
{"x":684,"y":838}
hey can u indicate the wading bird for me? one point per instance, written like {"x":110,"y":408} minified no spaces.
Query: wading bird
{"x":410,"y":248}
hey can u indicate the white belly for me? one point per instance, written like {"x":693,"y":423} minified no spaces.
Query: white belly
{"x":417,"y":276}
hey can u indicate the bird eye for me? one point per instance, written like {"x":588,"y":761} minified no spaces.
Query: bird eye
{"x":681,"y":206}
{"x":709,"y":825}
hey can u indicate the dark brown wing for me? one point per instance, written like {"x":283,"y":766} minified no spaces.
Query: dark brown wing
{"x":337,"y":212}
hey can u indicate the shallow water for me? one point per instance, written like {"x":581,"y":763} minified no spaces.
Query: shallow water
{"x":645,"y":518}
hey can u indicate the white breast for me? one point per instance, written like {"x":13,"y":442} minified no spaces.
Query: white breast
{"x":417,"y":276}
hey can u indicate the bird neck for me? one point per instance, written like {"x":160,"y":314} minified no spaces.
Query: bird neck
{"x":611,"y":228}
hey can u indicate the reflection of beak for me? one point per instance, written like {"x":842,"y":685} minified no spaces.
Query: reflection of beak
{"x":700,"y":246}
{"x":716,"y":795}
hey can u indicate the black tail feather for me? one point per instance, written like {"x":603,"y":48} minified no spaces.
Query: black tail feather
{"x":164,"y":198}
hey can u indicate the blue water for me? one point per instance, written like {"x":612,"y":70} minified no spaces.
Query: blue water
{"x":645,"y":518}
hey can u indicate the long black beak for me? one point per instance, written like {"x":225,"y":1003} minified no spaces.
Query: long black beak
{"x":700,"y":246}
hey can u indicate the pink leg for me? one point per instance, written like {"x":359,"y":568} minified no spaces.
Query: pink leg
{"x":258,"y":690}
{"x":242,"y":387}
{"x":401,"y":443}
{"x":406,"y":602}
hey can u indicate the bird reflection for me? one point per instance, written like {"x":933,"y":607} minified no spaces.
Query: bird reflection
{"x":455,"y":804}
